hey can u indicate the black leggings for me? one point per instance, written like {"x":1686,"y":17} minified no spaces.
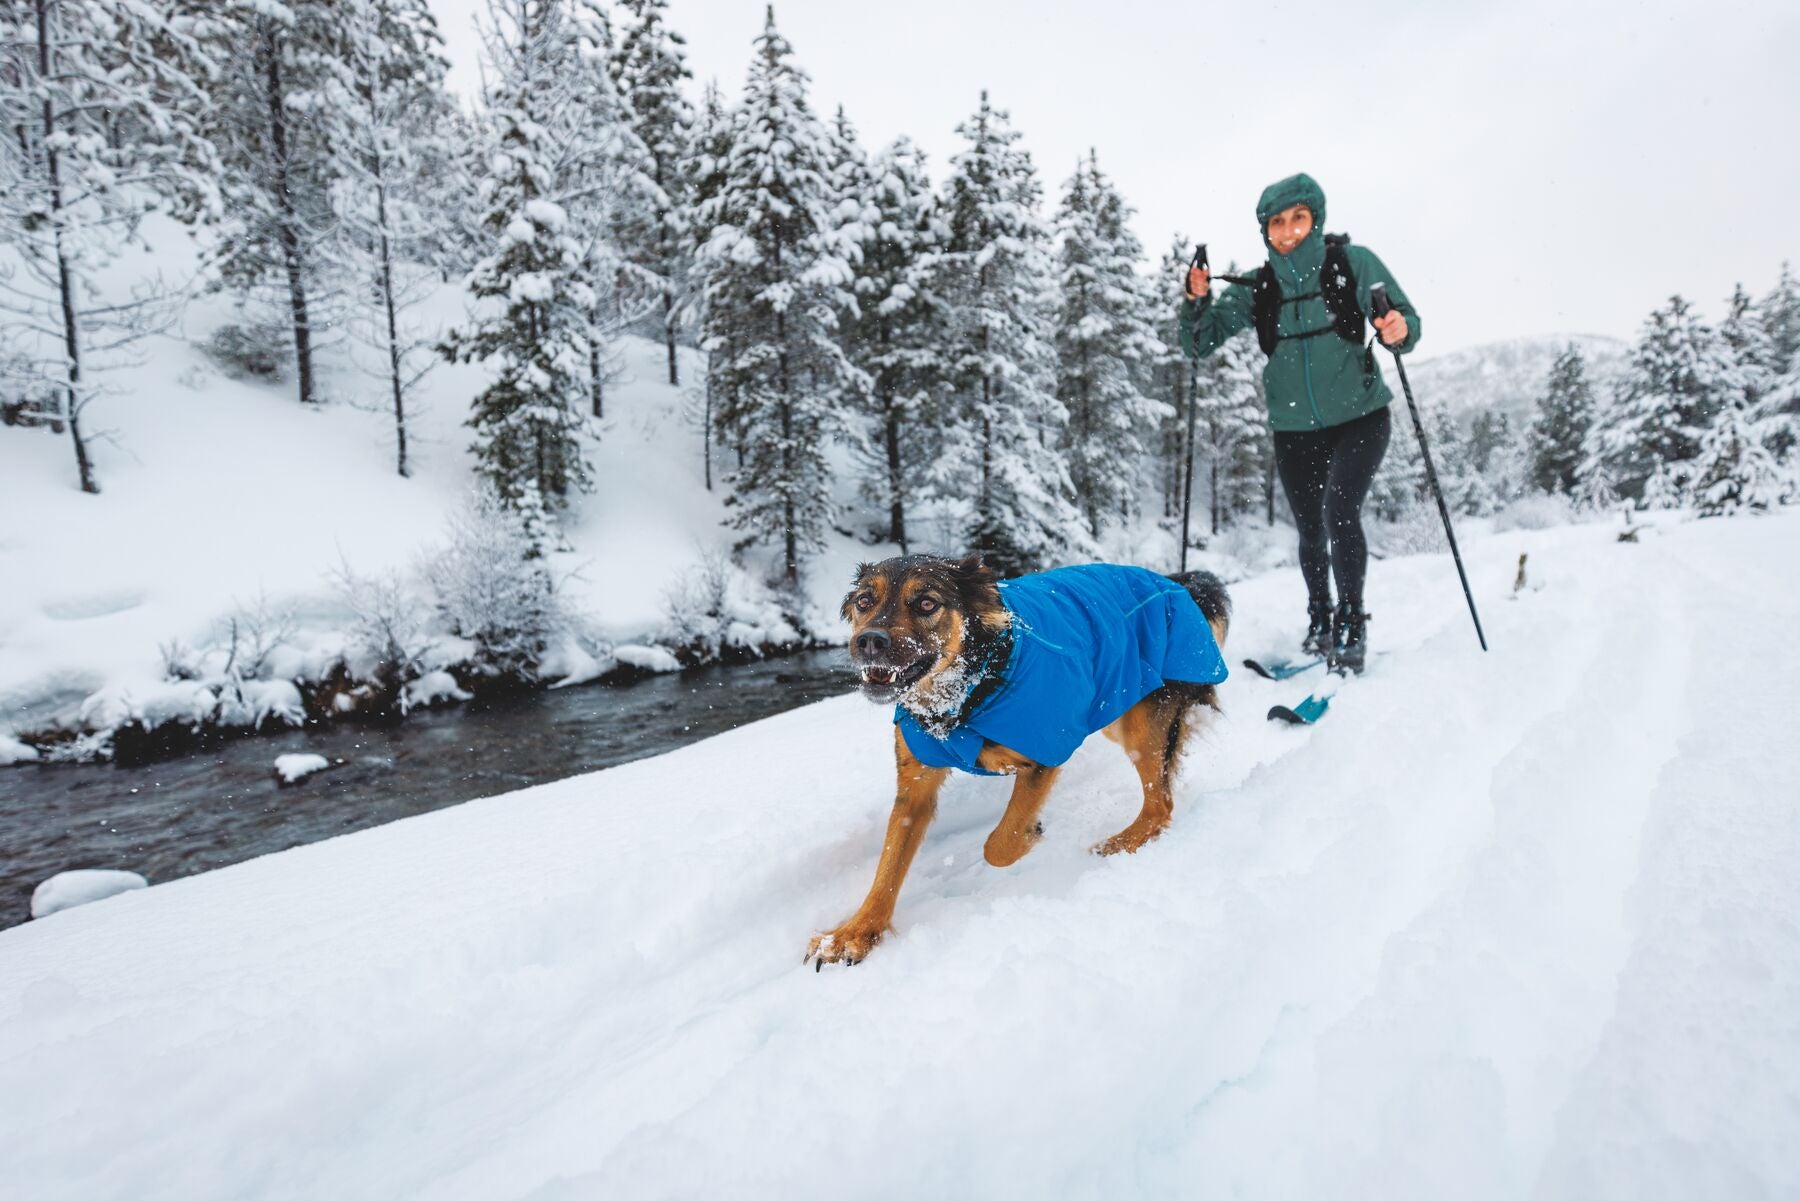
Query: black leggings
{"x":1326,"y":474}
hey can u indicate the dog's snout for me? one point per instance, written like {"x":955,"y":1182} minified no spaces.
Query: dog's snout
{"x":873,"y":642}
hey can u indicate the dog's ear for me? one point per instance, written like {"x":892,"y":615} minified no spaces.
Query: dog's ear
{"x":979,"y":589}
{"x":863,"y":571}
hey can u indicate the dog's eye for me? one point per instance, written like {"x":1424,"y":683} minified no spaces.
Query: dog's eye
{"x":864,"y":602}
{"x":928,"y":604}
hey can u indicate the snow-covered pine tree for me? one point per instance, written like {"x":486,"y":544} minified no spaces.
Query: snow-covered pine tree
{"x":703,"y":164}
{"x":1234,"y":444}
{"x":648,"y":69}
{"x":1734,"y":471}
{"x":1679,"y":377}
{"x":1002,"y":473}
{"x":1105,"y":348}
{"x":274,"y":131}
{"x":1465,"y":489}
{"x":604,"y":185}
{"x":897,"y":331}
{"x":1781,"y":316}
{"x":1169,"y":379}
{"x":1559,"y":431}
{"x":394,"y":120}
{"x":530,"y":420}
{"x":97,"y":130}
{"x":776,"y":277}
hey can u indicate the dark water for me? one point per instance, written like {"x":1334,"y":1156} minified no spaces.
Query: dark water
{"x":222,"y":806}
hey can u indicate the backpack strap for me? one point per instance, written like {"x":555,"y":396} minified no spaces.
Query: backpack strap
{"x":1337,"y":287}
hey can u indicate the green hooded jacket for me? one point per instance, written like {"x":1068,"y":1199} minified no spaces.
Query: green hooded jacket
{"x":1315,"y":382}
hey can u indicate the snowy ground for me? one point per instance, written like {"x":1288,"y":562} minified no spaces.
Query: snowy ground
{"x":1522,"y":924}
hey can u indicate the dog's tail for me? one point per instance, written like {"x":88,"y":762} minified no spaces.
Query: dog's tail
{"x":1208,"y":591}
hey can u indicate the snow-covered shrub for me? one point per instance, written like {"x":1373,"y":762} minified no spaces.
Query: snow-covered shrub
{"x":256,"y":350}
{"x":387,"y":636}
{"x":695,"y":609}
{"x":1420,"y":530}
{"x":1535,"y":511}
{"x":490,"y":586}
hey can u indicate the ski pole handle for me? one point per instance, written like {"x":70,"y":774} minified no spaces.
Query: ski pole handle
{"x":1378,"y":300}
{"x":1199,"y":259}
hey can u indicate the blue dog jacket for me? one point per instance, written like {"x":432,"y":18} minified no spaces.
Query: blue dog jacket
{"x":1088,"y":643}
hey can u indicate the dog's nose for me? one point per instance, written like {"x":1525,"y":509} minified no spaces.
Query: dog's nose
{"x":873,"y":642}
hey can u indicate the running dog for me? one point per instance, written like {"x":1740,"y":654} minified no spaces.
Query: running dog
{"x":1008,"y":678}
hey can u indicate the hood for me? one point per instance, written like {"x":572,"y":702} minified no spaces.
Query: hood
{"x":1295,"y":189}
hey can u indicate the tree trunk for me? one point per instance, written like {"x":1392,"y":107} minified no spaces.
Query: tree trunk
{"x":706,"y":426}
{"x":669,"y":337}
{"x":596,"y":383}
{"x":292,"y":252}
{"x":64,"y":273}
{"x":393,"y":323}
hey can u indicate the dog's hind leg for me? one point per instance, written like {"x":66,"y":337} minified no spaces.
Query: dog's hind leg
{"x":1150,"y":731}
{"x":915,"y":803}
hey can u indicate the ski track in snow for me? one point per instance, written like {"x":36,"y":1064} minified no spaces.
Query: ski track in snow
{"x":1521,"y":924}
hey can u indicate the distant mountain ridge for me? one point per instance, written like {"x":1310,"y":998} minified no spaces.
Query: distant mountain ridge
{"x":1509,"y":377}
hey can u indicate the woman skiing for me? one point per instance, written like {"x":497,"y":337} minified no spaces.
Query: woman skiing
{"x":1327,"y":401}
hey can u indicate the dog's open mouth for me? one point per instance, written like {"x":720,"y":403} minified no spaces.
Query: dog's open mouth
{"x":883,"y":678}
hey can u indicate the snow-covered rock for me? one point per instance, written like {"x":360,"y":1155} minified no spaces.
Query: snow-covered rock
{"x":65,"y":890}
{"x":291,"y":769}
{"x":13,"y":751}
{"x":151,"y":703}
{"x":647,"y":658}
{"x":431,"y":689}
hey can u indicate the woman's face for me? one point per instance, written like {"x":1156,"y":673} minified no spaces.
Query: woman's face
{"x":1289,"y":227}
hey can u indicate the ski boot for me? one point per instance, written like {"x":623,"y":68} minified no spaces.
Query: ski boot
{"x":1349,"y":641}
{"x":1318,"y":640}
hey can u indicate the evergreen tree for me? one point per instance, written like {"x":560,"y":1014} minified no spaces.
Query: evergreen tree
{"x":894,"y":338}
{"x":394,"y":120}
{"x":1734,"y":470}
{"x":1002,"y":420}
{"x":273,"y":125}
{"x":1781,"y":316}
{"x":703,"y":168}
{"x":97,"y":130}
{"x":648,"y":70}
{"x":1679,"y":378}
{"x":1169,"y":381}
{"x":1233,"y":437}
{"x":777,"y":275}
{"x":1105,"y":348}
{"x":1559,"y":432}
{"x":1465,"y":489}
{"x":603,"y":173}
{"x":528,"y":422}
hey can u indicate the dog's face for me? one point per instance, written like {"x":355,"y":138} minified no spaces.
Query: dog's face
{"x":911,"y":619}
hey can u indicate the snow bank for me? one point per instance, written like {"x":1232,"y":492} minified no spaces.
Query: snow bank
{"x":647,"y":658}
{"x":291,"y":769}
{"x":13,"y":751}
{"x":431,"y":689}
{"x":65,"y":890}
{"x":1503,"y":925}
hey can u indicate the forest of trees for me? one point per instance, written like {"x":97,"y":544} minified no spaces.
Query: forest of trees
{"x":1002,"y":371}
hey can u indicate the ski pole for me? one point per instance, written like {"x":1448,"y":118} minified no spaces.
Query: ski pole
{"x":1187,"y":478}
{"x":1378,"y":300}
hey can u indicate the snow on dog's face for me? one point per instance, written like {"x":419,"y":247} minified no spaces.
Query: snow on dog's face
{"x":913,"y":618}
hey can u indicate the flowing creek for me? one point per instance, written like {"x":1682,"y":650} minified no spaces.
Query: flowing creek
{"x":222,"y":806}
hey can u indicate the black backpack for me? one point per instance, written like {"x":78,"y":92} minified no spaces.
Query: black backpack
{"x":1337,"y":284}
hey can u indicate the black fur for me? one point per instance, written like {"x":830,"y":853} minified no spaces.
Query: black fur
{"x":1208,"y":591}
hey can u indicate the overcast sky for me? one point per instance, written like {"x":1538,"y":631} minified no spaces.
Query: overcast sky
{"x":1529,"y":167}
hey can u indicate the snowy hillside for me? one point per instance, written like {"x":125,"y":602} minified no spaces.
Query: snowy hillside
{"x":220,"y":494}
{"x":1508,"y":377}
{"x":1520,"y":924}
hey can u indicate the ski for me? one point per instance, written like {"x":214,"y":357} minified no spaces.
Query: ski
{"x":1281,"y":669}
{"x":1305,"y":713}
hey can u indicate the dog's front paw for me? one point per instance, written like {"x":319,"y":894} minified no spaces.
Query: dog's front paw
{"x":848,"y":944}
